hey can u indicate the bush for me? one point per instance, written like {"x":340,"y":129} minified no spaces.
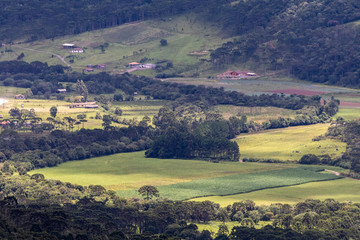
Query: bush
{"x":309,"y":159}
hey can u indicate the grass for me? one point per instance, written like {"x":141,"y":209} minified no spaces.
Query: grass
{"x":127,"y":43}
{"x":349,"y":113}
{"x":239,"y":183}
{"x":132,"y":109}
{"x":289,"y":143}
{"x":257,"y":114}
{"x":132,"y":170}
{"x":340,"y":190}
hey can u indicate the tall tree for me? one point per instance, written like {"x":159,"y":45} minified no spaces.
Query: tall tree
{"x":53,"y":111}
{"x":82,"y":89}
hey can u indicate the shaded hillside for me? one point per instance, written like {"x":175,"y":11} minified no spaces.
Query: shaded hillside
{"x":313,"y":40}
{"x":35,"y":19}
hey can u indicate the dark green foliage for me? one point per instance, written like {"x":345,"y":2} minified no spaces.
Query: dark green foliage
{"x":60,"y":146}
{"x":348,"y":132}
{"x":309,"y":159}
{"x":202,"y":140}
{"x":293,"y":36}
{"x":20,"y":20}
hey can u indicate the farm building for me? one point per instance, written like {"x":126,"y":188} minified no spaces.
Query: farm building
{"x":88,"y":70}
{"x":147,"y":66}
{"x":77,"y":50}
{"x":133,"y":64}
{"x":4,"y":123}
{"x":84,"y":105}
{"x":68,"y":45}
{"x":19,"y":96}
{"x":236,"y":74}
{"x":61,"y":90}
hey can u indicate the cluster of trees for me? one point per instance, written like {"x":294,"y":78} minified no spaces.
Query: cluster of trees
{"x":37,"y":208}
{"x":183,"y":133}
{"x":348,"y":132}
{"x":22,"y":153}
{"x":313,"y":40}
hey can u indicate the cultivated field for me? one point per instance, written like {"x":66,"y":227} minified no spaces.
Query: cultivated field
{"x":289,"y":143}
{"x":239,"y":183}
{"x":341,"y":190}
{"x":132,"y":170}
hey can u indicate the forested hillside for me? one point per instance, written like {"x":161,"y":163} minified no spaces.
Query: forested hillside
{"x":316,"y":40}
{"x":313,"y":40}
{"x":47,"y":19}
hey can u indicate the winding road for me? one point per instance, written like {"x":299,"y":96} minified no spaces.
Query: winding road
{"x":34,"y":50}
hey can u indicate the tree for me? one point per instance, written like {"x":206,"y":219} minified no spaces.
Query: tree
{"x":53,"y":111}
{"x":106,"y":121}
{"x":148,"y":191}
{"x":82,"y":89}
{"x":163,"y":42}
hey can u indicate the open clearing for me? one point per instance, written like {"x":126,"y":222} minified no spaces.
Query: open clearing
{"x":289,"y":143}
{"x":340,"y":190}
{"x":132,"y":170}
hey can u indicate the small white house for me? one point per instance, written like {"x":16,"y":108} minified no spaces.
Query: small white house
{"x":77,"y":50}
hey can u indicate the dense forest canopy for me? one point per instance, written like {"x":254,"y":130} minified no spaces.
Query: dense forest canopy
{"x":47,"y":19}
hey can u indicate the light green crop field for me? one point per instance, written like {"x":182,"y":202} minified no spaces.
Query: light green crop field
{"x":348,"y":113}
{"x":289,"y":143}
{"x":239,"y":183}
{"x":340,"y":190}
{"x":132,"y":170}
{"x":257,"y":114}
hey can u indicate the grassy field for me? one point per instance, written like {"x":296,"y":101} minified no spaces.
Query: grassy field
{"x":349,"y":113}
{"x":239,"y":183}
{"x":132,"y":170}
{"x":340,"y":190}
{"x":288,"y":143}
{"x":128,"y":43}
{"x":257,"y":114}
{"x":132,"y":109}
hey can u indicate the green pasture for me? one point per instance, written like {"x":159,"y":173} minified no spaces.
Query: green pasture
{"x":341,"y":190}
{"x":348,"y":113}
{"x":288,"y":143}
{"x":131,"y":109}
{"x":139,"y":109}
{"x":257,"y":114}
{"x":132,"y":170}
{"x":239,"y":183}
{"x":128,"y":43}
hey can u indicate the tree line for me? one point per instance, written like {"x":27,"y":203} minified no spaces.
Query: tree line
{"x":39,"y":208}
{"x":44,"y":81}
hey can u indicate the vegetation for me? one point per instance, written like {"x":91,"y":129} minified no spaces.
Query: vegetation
{"x":242,"y":183}
{"x":342,"y":190}
{"x":289,"y":144}
{"x":132,"y":170}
